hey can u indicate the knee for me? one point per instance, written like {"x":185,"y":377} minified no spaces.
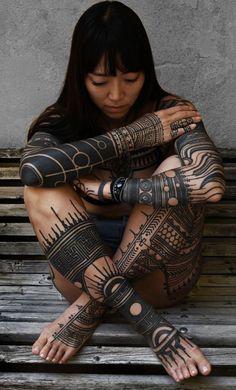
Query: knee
{"x":39,"y":200}
{"x":171,"y":162}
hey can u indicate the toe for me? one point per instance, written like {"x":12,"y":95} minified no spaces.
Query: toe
{"x":45,"y":350}
{"x":58,"y":355}
{"x":179,"y":374}
{"x":67,"y":355}
{"x":204,"y":368}
{"x":203,"y":364}
{"x":192,"y":369}
{"x":39,"y":344}
{"x":52,"y":352}
{"x":185,"y":372}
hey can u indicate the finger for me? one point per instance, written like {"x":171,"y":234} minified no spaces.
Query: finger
{"x":182,"y":130}
{"x":179,"y":108}
{"x":181,"y":123}
{"x":184,"y":114}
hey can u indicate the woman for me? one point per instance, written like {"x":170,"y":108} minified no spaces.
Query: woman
{"x":116,"y":174}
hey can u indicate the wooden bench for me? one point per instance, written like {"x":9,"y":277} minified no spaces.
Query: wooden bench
{"x":115,"y":357}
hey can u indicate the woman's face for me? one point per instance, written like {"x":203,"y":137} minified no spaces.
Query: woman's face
{"x":114,"y":95}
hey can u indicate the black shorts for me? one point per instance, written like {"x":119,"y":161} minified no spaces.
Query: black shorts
{"x":110,"y":230}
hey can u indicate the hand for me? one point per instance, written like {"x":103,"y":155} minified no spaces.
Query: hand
{"x":87,"y":185}
{"x":93,"y":187}
{"x":157,"y":128}
{"x":177,"y":120}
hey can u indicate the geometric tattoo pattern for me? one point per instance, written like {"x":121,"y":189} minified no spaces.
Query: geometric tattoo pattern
{"x":169,"y":240}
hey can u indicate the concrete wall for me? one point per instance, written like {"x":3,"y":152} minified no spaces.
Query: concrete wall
{"x":193,"y":41}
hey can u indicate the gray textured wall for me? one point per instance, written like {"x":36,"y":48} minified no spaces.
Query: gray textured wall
{"x":193,"y":44}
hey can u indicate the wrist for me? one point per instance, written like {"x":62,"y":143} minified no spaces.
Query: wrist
{"x":144,"y":132}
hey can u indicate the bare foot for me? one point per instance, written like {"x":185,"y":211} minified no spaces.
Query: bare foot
{"x":60,"y":340}
{"x":179,"y":356}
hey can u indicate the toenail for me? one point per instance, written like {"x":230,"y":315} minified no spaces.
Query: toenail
{"x":204,"y":369}
{"x":42,"y":355}
{"x":36,"y":349}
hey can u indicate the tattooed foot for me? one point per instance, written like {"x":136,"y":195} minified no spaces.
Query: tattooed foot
{"x":179,"y":356}
{"x":63,"y":338}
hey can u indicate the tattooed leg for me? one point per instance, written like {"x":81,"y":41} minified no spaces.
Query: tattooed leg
{"x":64,"y":337}
{"x":79,"y":259}
{"x":168,"y":240}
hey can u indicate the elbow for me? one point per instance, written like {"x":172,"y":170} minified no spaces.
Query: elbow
{"x":30,"y":176}
{"x":216,"y":192}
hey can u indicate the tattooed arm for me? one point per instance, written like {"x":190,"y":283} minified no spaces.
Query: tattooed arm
{"x":46,"y":162}
{"x":200,"y":178}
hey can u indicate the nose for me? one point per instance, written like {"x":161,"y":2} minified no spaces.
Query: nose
{"x":116,"y":92}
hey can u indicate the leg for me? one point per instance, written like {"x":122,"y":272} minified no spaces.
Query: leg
{"x":166,"y":241}
{"x":80,"y":320}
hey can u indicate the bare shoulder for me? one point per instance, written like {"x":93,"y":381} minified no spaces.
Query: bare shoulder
{"x":174,"y":100}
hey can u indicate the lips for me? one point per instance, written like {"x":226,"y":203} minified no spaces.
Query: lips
{"x":115,"y":108}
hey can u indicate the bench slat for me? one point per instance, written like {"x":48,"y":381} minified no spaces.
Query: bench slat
{"x":17,"y":192}
{"x":210,"y":247}
{"x":112,"y":355}
{"x":212,"y":265}
{"x":210,"y":335}
{"x":223,"y":209}
{"x":62,"y":381}
{"x":211,"y":229}
{"x":11,"y":172}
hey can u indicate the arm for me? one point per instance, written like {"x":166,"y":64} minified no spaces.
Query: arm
{"x":46,"y":162}
{"x":200,"y":178}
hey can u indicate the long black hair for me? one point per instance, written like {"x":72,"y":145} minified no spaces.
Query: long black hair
{"x":111,"y":30}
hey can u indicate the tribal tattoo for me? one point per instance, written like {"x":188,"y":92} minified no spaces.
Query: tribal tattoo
{"x":45,"y":162}
{"x":168,"y":239}
{"x":74,"y":248}
{"x":200,"y":177}
{"x":80,"y":325}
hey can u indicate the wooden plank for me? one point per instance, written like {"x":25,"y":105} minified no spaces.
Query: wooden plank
{"x":219,"y":228}
{"x":228,"y":282}
{"x":13,"y":210}
{"x":210,"y":247}
{"x":212,"y":265}
{"x":16,"y":192}
{"x":223,"y":209}
{"x":24,"y":266}
{"x":88,"y":355}
{"x":30,"y":313}
{"x":214,"y":247}
{"x":213,"y":294}
{"x":210,"y":335}
{"x":10,"y":153}
{"x":68,"y":381}
{"x":11,"y":192}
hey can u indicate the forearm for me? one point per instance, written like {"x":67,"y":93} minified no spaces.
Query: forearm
{"x":46,"y":162}
{"x":200,"y":178}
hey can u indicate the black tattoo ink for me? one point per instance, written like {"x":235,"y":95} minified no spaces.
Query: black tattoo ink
{"x":60,"y":163}
{"x":197,"y":181}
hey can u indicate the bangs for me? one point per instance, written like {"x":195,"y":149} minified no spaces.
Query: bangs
{"x":122,"y":54}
